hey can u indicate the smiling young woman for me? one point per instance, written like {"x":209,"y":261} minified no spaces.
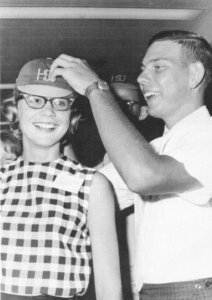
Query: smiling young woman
{"x":56,"y":214}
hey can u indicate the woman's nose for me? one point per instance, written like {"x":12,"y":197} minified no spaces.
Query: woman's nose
{"x":48,"y":110}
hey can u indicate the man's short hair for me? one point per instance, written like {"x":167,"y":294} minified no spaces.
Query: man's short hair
{"x":194,"y":48}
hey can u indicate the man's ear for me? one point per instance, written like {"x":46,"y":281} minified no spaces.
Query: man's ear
{"x":197,"y":74}
{"x":144,"y":112}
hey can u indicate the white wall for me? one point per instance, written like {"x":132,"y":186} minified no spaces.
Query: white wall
{"x":204,"y":27}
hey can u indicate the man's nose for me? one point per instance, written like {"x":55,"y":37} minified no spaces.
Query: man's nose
{"x":48,"y":110}
{"x":143,"y":78}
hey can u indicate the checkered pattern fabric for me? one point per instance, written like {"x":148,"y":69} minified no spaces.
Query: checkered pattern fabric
{"x":45,"y":243}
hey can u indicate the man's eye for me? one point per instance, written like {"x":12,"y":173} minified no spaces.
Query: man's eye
{"x":159,"y":68}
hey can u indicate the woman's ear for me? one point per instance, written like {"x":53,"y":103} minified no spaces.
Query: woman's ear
{"x":144,"y":112}
{"x":196,"y":73}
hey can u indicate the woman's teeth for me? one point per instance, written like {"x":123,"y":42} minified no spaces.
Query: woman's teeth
{"x":45,"y":126}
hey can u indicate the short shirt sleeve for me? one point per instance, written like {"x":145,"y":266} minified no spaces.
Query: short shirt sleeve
{"x":124,"y":196}
{"x":195,"y":152}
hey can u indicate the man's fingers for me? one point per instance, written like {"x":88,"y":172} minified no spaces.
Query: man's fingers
{"x":61,"y":69}
{"x":58,"y":63}
{"x":75,"y":71}
{"x":69,"y":58}
{"x":72,"y":59}
{"x":85,"y":62}
{"x":65,"y":73}
{"x":66,"y":61}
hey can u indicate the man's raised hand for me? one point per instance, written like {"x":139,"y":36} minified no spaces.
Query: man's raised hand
{"x":75,"y":71}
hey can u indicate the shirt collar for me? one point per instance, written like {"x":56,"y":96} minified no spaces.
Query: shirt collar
{"x":195,"y":119}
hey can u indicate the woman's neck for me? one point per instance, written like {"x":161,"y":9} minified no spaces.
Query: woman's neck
{"x":40,"y":154}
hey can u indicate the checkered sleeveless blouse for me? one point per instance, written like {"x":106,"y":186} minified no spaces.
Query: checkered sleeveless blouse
{"x":45,"y":242}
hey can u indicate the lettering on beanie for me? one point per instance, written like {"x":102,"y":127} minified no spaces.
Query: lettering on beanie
{"x":118,"y":78}
{"x":43,"y":75}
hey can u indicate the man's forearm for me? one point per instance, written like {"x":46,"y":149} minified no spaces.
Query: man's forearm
{"x":144,"y":171}
{"x":127,"y":148}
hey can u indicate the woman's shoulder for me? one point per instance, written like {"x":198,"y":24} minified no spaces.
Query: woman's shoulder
{"x":8,"y":169}
{"x":76,"y":165}
{"x":100,"y":182}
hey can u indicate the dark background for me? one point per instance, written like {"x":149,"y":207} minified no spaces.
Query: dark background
{"x":110,"y":45}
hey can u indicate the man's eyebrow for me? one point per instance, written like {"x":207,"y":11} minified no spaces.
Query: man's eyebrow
{"x":153,"y":60}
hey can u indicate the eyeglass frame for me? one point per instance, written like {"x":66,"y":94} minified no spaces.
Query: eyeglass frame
{"x":132,"y":103}
{"x":22,"y":95}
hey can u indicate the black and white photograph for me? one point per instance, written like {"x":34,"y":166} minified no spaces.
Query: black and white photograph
{"x":106,"y":149}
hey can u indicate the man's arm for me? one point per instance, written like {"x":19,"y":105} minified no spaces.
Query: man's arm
{"x":143,"y":171}
{"x":102,"y":227}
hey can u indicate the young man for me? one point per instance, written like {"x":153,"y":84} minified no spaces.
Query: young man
{"x":174,"y":172}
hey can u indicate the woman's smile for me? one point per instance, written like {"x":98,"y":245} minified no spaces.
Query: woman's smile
{"x":43,"y":126}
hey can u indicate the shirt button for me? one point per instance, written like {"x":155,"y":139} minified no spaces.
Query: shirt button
{"x":207,"y":284}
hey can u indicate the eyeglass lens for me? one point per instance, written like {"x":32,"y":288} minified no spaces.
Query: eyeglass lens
{"x":39,"y":102}
{"x":127,"y":104}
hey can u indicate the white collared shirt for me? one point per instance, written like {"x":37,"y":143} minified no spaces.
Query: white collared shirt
{"x":174,"y":231}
